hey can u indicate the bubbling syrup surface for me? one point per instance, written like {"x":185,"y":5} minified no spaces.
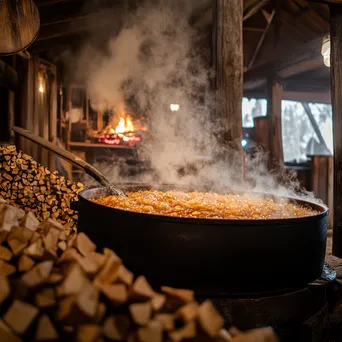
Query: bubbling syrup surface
{"x":206,"y":205}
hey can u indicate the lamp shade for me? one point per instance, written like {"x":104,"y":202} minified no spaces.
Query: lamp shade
{"x":326,"y":50}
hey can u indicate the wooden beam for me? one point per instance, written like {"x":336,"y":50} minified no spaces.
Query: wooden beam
{"x":313,"y":20}
{"x":44,"y":3}
{"x":248,"y":3}
{"x":79,"y":24}
{"x":258,"y":6}
{"x":229,"y":66}
{"x":336,"y":100}
{"x":72,"y":39}
{"x":322,"y":10}
{"x":274,"y":97}
{"x":319,"y":97}
{"x":306,"y":58}
{"x":254,"y":84}
{"x":267,"y":16}
{"x":253,"y":29}
{"x":328,"y":1}
{"x":290,"y":22}
{"x":261,"y":40}
{"x":300,"y":67}
{"x":305,"y":85}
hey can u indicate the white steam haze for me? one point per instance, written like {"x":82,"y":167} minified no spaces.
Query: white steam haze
{"x":153,"y":59}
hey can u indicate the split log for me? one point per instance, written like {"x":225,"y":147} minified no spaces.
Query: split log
{"x":153,"y":332}
{"x":4,"y":288}
{"x":45,"y":330}
{"x":210,"y":320}
{"x":141,"y":289}
{"x":116,"y":293}
{"x":187,"y":332}
{"x":20,"y":316}
{"x":182,"y":294}
{"x":141,"y":313}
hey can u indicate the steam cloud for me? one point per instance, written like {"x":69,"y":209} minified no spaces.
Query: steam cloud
{"x":154,"y":59}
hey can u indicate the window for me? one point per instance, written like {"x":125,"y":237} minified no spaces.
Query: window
{"x":306,"y":130}
{"x":252,"y":108}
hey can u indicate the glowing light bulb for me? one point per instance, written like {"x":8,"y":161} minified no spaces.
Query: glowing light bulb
{"x":174,"y":107}
{"x":41,"y":89}
{"x":243,"y":143}
{"x":326,"y":50}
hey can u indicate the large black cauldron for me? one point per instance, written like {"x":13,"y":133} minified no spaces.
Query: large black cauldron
{"x":235,"y":257}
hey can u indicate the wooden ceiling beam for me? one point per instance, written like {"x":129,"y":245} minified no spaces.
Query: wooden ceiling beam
{"x":307,"y":58}
{"x":321,"y":9}
{"x":248,"y":3}
{"x":205,"y":19}
{"x":253,"y":10}
{"x":254,"y":84}
{"x":328,"y":1}
{"x":44,"y":3}
{"x":289,"y":21}
{"x":300,"y":67}
{"x":79,"y":24}
{"x":261,"y":40}
{"x":314,"y":20}
{"x":293,"y":6}
{"x":302,"y":3}
{"x":253,"y":29}
{"x":304,"y":85}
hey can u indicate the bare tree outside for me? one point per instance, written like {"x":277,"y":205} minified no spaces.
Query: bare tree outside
{"x":299,"y":137}
{"x":252,"y":108}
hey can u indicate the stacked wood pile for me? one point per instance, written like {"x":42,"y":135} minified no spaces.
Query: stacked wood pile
{"x":30,"y":186}
{"x":54,"y":285}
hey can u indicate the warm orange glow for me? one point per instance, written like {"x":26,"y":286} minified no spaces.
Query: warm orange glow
{"x":121,"y":131}
{"x":125,"y":125}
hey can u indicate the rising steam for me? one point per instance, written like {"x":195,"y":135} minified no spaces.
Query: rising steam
{"x":153,"y":59}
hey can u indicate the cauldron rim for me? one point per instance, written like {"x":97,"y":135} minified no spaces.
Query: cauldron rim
{"x":87,"y":194}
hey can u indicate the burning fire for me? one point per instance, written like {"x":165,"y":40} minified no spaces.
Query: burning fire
{"x":124,"y":125}
{"x":123,"y":133}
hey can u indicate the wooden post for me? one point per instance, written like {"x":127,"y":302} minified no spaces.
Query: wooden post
{"x":229,"y":66}
{"x":274,"y":97}
{"x":336,"y":100}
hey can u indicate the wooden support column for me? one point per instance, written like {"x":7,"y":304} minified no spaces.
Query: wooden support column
{"x":229,"y":66}
{"x":274,"y":97}
{"x":336,"y":100}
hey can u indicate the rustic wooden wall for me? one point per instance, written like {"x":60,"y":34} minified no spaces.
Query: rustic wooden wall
{"x":37,"y":111}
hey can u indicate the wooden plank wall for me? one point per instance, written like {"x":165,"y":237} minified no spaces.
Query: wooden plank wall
{"x":37,"y":111}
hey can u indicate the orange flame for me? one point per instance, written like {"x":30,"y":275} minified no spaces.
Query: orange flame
{"x":125,"y":125}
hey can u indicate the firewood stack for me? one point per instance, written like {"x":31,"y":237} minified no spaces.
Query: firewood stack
{"x":54,"y":285}
{"x":30,"y":186}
